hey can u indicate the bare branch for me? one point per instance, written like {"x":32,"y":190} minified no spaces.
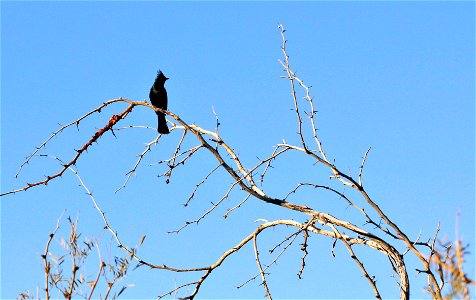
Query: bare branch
{"x":305,"y":253}
{"x":207,"y":212}
{"x":258,"y":262}
{"x":46,"y":263}
{"x":289,"y":238}
{"x":362,"y":165}
{"x":75,"y":122}
{"x":174,"y":157}
{"x":101,"y":268}
{"x":236,"y":206}
{"x":217,"y":126}
{"x":370,"y":279}
{"x":177,"y":289}
{"x":268,"y":161}
{"x":133,"y":171}
{"x":448,"y":262}
{"x":291,"y":78}
{"x":199,"y":184}
{"x":94,"y":138}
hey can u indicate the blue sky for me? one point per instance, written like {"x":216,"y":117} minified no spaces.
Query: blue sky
{"x":396,"y":76}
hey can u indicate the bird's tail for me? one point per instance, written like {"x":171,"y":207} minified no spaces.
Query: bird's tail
{"x":162,"y":124}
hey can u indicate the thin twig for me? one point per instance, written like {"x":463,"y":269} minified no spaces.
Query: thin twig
{"x":207,"y":212}
{"x":305,"y":253}
{"x":199,"y":184}
{"x":101,"y":268}
{"x":141,"y":156}
{"x":177,"y":149}
{"x":75,"y":122}
{"x":95,"y":137}
{"x":46,"y":263}
{"x":236,"y":206}
{"x":217,"y":126}
{"x":362,"y":165}
{"x":258,"y":262}
{"x":291,"y":77}
{"x":268,"y":161}
{"x":311,"y":115}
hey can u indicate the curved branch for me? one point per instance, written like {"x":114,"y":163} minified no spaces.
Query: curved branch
{"x":114,"y":119}
{"x":75,"y":122}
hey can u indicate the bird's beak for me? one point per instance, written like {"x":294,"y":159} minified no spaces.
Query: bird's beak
{"x":167,"y":78}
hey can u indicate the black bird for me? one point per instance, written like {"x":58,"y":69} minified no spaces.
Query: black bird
{"x":158,"y":98}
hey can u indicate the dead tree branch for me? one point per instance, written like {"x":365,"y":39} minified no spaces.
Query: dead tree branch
{"x":250,"y":181}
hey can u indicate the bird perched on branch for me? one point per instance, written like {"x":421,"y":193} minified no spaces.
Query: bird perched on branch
{"x":158,"y":98}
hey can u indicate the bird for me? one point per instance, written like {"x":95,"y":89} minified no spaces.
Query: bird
{"x":158,"y":98}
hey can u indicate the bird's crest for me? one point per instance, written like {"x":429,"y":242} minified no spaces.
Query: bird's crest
{"x":160,"y":77}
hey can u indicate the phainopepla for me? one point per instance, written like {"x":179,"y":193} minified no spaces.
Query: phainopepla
{"x":158,"y":98}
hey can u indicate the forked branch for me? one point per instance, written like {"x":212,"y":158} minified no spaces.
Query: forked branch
{"x":380,"y":237}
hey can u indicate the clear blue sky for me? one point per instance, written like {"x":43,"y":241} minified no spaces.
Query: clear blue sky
{"x":396,"y":76}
